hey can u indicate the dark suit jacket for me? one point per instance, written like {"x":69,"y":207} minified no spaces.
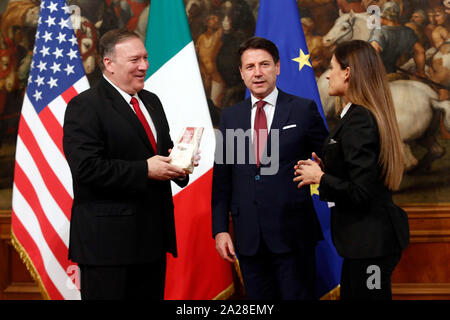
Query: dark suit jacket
{"x":365,"y":223}
{"x":268,"y":206}
{"x":119,"y":215}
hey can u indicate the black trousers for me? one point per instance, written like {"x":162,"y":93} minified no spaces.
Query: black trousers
{"x":130,"y":282}
{"x":285,"y":276}
{"x":368,"y":279}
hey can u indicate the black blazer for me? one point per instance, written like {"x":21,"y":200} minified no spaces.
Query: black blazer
{"x":268,"y":206}
{"x":365,"y":223}
{"x":119,"y":216}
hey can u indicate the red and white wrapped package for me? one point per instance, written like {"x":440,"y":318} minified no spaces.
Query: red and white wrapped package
{"x":186,"y":147}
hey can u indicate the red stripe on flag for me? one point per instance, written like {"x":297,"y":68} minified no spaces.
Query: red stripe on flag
{"x":198,"y":272}
{"x":54,"y":185}
{"x":33,"y":252}
{"x":53,"y":127}
{"x":69,"y":94}
{"x":54,"y":242}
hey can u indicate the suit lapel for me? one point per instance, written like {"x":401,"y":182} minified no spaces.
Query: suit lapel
{"x":338,"y":126}
{"x":282,"y":111}
{"x":124,"y":109}
{"x":243,"y":121}
{"x":156,"y":118}
{"x":246,"y":117}
{"x":246,"y":125}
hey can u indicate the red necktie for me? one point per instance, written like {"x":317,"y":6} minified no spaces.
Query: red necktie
{"x":260,"y":133}
{"x":144,"y":122}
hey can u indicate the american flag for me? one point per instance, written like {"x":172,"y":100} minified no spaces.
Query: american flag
{"x":42,"y":191}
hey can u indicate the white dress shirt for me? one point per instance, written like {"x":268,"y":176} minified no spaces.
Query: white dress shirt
{"x":344,"y":111}
{"x":269,"y":109}
{"x":144,"y":110}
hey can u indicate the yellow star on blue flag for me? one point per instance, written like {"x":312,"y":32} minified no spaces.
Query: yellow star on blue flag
{"x":302,"y":59}
{"x":314,"y":189}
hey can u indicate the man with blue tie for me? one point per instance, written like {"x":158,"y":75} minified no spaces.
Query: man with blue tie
{"x":275,"y":226}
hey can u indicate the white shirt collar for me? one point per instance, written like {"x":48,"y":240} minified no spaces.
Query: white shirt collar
{"x":124,"y":94}
{"x":344,"y":111}
{"x":271,"y":99}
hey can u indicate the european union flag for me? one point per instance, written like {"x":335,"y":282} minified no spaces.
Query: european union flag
{"x":279,"y":21}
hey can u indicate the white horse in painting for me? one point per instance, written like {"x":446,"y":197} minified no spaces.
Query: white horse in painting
{"x":349,"y":26}
{"x":415,"y":102}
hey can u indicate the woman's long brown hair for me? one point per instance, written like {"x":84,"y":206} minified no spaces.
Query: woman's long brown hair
{"x":368,"y":87}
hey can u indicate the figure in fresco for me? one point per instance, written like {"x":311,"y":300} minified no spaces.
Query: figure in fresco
{"x":440,"y":69}
{"x":418,"y":23}
{"x":312,"y":40}
{"x":406,"y":7}
{"x":349,"y":5}
{"x":136,"y":8}
{"x":394,"y":40}
{"x":437,"y":32}
{"x":229,"y":23}
{"x":380,"y":3}
{"x":98,"y":12}
{"x":431,"y":25}
{"x":440,"y":34}
{"x":122,"y":11}
{"x":141,"y":27}
{"x":17,"y":28}
{"x":87,"y":32}
{"x":91,"y":10}
{"x":320,"y":55}
{"x":440,"y":66}
{"x":18,"y":22}
{"x":446,"y":4}
{"x":88,"y":42}
{"x":8,"y":66}
{"x":197,"y":11}
{"x":323,"y":13}
{"x":240,"y":15}
{"x":238,"y":24}
{"x":227,"y":57}
{"x":254,"y":6}
{"x":125,"y":12}
{"x":207,"y":47}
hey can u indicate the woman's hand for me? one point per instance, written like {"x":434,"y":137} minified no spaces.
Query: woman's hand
{"x":308,"y":172}
{"x":318,"y":161}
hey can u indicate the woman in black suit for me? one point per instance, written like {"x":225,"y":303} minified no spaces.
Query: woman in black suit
{"x":362,"y":164}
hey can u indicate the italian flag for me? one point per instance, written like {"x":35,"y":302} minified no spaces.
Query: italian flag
{"x":174,"y":76}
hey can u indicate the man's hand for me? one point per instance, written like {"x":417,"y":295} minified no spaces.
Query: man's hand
{"x":196,"y":161}
{"x":224,"y":245}
{"x":159,"y":168}
{"x":197,"y":158}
